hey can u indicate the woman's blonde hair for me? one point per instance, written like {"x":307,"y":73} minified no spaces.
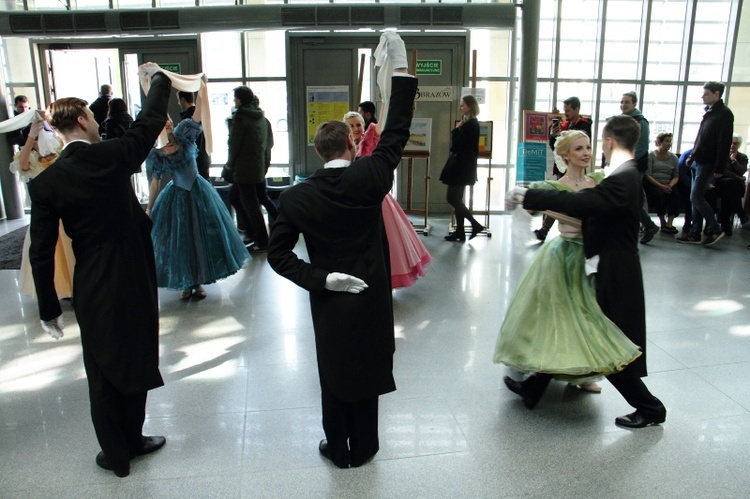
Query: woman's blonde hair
{"x":471,"y":101}
{"x":562,"y":146}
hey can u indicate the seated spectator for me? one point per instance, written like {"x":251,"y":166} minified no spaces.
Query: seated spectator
{"x":118,"y":120}
{"x":660,"y":180}
{"x":730,"y":188}
{"x":684,"y":186}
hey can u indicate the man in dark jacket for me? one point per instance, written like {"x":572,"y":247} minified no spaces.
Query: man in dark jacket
{"x":100,"y":106}
{"x":18,"y":137}
{"x":710,"y":154}
{"x":248,"y":135}
{"x":339,"y":212}
{"x":609,"y":213}
{"x":89,"y":189}
{"x":187,"y":103}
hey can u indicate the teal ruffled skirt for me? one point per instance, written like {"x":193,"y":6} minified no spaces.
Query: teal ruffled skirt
{"x":554,"y":324}
{"x":195,"y":240}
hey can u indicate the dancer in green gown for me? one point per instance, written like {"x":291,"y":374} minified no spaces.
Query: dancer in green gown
{"x":554,"y":324}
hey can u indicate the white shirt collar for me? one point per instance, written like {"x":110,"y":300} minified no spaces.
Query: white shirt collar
{"x":77,"y":140}
{"x":337,"y":163}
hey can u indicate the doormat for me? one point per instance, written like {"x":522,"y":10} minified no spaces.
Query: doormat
{"x":11,"y":246}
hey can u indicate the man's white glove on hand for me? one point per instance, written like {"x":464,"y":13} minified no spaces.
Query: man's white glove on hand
{"x":54,"y":327}
{"x":337,"y":281}
{"x":149,"y":68}
{"x":514,"y":197}
{"x":396,"y":49}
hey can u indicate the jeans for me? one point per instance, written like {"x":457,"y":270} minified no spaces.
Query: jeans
{"x":702,"y":176}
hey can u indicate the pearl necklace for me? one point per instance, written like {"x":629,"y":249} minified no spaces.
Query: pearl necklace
{"x":577,"y":181}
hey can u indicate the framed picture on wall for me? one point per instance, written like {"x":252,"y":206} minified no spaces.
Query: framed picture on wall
{"x":420,"y":136}
{"x":536,"y":126}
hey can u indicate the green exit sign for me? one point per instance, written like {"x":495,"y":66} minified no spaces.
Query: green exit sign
{"x":429,"y":67}
{"x":173,"y":67}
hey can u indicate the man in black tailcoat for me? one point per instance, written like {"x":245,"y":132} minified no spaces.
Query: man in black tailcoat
{"x":338,"y":210}
{"x":610,"y":216}
{"x":89,"y":188}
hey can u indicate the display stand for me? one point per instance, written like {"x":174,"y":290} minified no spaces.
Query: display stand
{"x":411,"y":156}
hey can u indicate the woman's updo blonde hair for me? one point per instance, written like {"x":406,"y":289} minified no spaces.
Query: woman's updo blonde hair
{"x":562,"y":146}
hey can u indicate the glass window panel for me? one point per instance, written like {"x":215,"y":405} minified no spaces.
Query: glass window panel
{"x":29,"y":92}
{"x":221,"y":54}
{"x":493,"y":52}
{"x":666,"y":35}
{"x":578,"y":38}
{"x":8,"y":5}
{"x":660,"y":107}
{"x":266,"y":53}
{"x":91,"y":4}
{"x":741,"y":67}
{"x":47,"y":5}
{"x":583,"y":90}
{"x":176,"y":3}
{"x":217,"y":2}
{"x":709,"y":39}
{"x":543,"y":96}
{"x":273,"y":101}
{"x":18,"y":57}
{"x":622,"y":39}
{"x":546,"y":59}
{"x":739,"y":102}
{"x":132,"y":4}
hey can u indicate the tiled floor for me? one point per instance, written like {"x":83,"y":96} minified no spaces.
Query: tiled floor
{"x":241,"y":411}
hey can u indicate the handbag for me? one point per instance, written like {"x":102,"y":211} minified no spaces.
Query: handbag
{"x":227,"y":174}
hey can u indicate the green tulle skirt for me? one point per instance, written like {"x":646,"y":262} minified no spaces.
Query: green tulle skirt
{"x":554,"y":324}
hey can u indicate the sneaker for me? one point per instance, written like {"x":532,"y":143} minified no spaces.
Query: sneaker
{"x":710,"y":239}
{"x":688,"y":239}
{"x":649,"y":233}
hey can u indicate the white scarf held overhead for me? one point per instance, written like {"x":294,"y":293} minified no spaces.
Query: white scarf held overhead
{"x":188,"y":83}
{"x":385,"y":63}
{"x":47,"y":143}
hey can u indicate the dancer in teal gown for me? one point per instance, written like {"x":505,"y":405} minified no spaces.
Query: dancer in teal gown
{"x":554,"y":324}
{"x":195,"y":241}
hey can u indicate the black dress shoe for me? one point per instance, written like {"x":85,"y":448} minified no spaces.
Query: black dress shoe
{"x":325,"y":451}
{"x":518,"y":388}
{"x":101,"y":461}
{"x":151,"y":444}
{"x":638,"y":420}
{"x":456,"y":236}
{"x":476,"y":229}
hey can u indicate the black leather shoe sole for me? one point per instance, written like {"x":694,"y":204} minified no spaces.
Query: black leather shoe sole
{"x":151,"y":444}
{"x":637,"y":420}
{"x":517,"y":388}
{"x":101,"y":461}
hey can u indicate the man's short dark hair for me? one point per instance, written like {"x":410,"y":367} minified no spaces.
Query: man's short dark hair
{"x":633,"y":96}
{"x":715,"y":86}
{"x":368,"y":107}
{"x":20,"y":98}
{"x":624,"y":129}
{"x":105,"y":89}
{"x":188,"y":96}
{"x":331,"y":139}
{"x":63,"y":114}
{"x":244,"y":94}
{"x":573,"y":102}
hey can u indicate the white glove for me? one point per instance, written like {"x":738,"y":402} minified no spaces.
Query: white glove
{"x":54,"y":327}
{"x":337,"y":281}
{"x":514,"y":197}
{"x":396,"y":49}
{"x":149,"y":68}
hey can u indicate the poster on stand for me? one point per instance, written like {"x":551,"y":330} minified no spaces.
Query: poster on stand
{"x":420,"y":135}
{"x":325,"y":103}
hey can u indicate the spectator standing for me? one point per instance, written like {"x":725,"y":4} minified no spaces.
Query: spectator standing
{"x":709,"y":157}
{"x":101,"y":105}
{"x":187,"y":103}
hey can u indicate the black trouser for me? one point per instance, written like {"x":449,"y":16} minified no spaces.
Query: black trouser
{"x":731,"y":191}
{"x":455,"y":197}
{"x":117,"y":417}
{"x":262,"y":192}
{"x":664,"y":203}
{"x":243,"y":223}
{"x":351,"y":428}
{"x":251,"y":207}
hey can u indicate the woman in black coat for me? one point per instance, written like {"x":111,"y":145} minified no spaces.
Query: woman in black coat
{"x":461,"y":168}
{"x":118,"y":120}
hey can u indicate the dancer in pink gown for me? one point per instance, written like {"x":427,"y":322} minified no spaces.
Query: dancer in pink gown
{"x":408,"y":255}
